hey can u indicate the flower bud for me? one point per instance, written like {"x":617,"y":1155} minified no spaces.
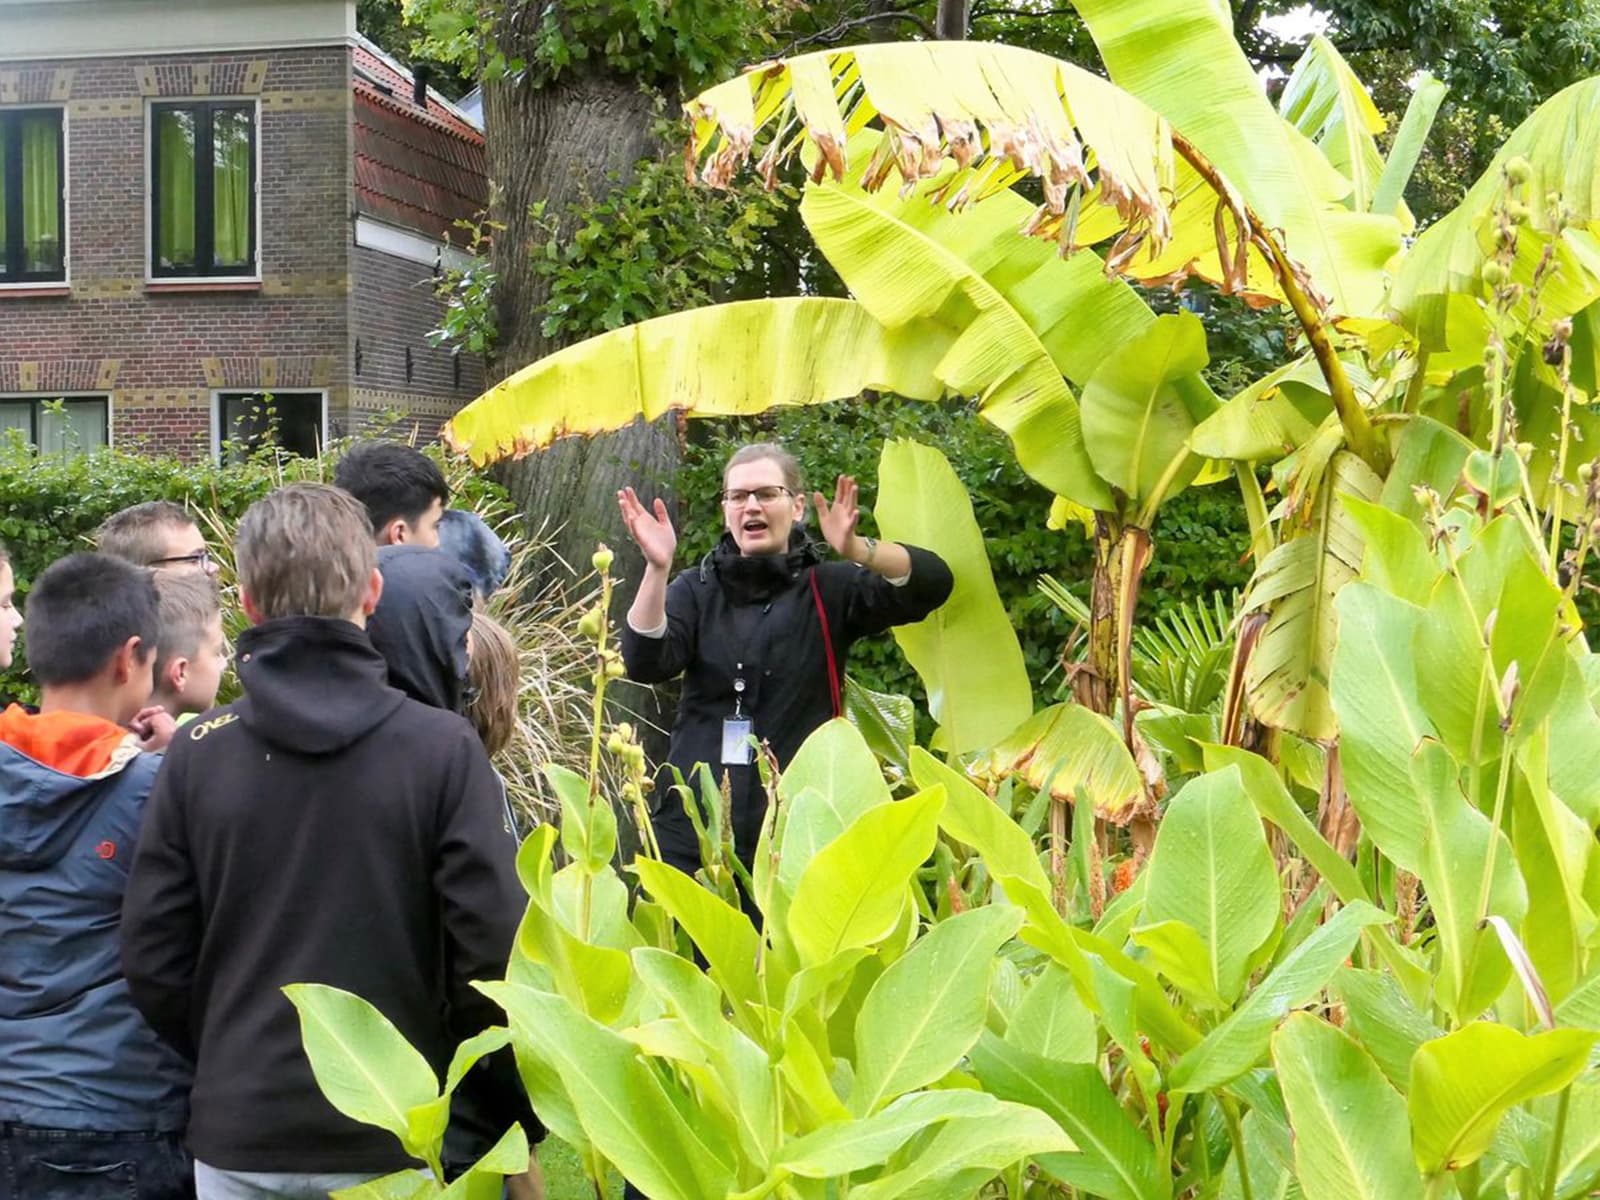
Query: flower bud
{"x":1518,"y":213}
{"x":615,"y":669}
{"x":614,"y":743}
{"x":1585,"y":472}
{"x":1519,"y":170}
{"x":625,"y":731}
{"x":603,"y":558}
{"x":590,"y":623}
{"x":1494,"y":274}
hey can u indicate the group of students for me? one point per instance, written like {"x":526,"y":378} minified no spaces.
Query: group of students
{"x":167,"y":867}
{"x":163,"y":874}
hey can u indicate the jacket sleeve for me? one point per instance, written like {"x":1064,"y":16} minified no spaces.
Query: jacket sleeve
{"x":658,"y":659}
{"x":161,"y":917}
{"x":481,"y":903}
{"x":873,"y":604}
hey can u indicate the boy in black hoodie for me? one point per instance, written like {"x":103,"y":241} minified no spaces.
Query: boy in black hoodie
{"x":325,"y":829}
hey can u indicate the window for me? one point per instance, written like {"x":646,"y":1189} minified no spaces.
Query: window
{"x":249,"y":421}
{"x":57,"y":424}
{"x":33,"y":214}
{"x":203,"y":189}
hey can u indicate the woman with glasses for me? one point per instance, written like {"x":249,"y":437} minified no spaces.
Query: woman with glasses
{"x":761,"y":629}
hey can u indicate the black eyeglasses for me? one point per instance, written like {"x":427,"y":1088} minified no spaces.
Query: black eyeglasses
{"x":199,"y":558}
{"x":766,"y":495}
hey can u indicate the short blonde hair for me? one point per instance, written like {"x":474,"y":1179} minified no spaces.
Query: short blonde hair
{"x":189,"y":605}
{"x":138,"y":534}
{"x":305,"y":550}
{"x":494,"y":675}
{"x":756,"y":451}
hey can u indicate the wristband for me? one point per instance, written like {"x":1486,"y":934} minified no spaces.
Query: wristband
{"x":872,"y":550}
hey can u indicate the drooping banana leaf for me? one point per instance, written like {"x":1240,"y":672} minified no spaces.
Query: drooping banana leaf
{"x":1558,"y":143}
{"x":1000,"y":112}
{"x":1038,"y":317}
{"x":1287,"y":676}
{"x":724,"y":360}
{"x":1181,"y":58}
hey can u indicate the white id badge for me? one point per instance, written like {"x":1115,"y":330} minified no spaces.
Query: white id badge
{"x":736,"y":733}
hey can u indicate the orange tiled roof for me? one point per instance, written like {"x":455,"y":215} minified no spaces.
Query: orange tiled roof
{"x":422,"y":169}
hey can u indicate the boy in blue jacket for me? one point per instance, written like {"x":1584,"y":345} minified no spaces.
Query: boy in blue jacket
{"x":93,"y":1101}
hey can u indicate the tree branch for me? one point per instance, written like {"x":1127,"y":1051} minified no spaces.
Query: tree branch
{"x":834,"y":32}
{"x":982,"y":11}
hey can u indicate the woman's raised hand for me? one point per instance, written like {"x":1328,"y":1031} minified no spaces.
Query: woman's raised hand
{"x":653,"y":532}
{"x":838,"y":520}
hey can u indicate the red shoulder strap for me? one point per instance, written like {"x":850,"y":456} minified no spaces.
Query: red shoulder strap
{"x":827,"y":645}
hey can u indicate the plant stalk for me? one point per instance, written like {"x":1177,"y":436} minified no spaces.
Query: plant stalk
{"x":1552,"y":1167}
{"x":1357,"y":428}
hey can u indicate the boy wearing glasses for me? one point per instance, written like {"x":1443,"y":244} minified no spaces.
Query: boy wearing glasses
{"x":158,"y":534}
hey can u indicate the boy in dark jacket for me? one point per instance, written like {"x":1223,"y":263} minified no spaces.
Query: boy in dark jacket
{"x":323,"y":829}
{"x":92,"y":1103}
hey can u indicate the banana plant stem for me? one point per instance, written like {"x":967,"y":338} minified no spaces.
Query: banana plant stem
{"x":1357,"y":428}
{"x":1552,"y":1167}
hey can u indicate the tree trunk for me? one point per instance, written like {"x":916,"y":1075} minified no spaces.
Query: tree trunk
{"x":950,"y":23}
{"x":571,"y":141}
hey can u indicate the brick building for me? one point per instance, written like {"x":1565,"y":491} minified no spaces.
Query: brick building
{"x":205,"y":204}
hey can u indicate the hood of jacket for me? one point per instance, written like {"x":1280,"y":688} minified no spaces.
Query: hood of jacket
{"x":48,"y":762}
{"x":756,"y":578}
{"x":312,"y":685}
{"x":421,"y":624}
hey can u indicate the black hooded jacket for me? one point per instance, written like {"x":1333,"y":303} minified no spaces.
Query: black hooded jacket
{"x":323,"y":829}
{"x":421,"y":624}
{"x":759,"y":610}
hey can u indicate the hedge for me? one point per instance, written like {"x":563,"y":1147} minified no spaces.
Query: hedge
{"x":51,"y":505}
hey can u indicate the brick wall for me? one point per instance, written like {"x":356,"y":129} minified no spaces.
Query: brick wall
{"x":393,"y":309}
{"x":159,"y":355}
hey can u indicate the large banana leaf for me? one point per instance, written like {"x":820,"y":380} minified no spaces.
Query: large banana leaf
{"x":1180,"y":57}
{"x":1288,"y":673}
{"x":1559,"y":144}
{"x":903,"y":274}
{"x":1141,"y":405}
{"x":1326,"y":101}
{"x":966,"y":651}
{"x":724,"y":360}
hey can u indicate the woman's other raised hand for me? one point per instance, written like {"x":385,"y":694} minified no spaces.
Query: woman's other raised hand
{"x":838,"y":520}
{"x":652,"y":530}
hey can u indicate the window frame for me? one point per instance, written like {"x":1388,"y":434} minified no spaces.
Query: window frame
{"x":36,"y":400}
{"x":205,"y":246}
{"x":11,"y":181}
{"x":219,"y":395}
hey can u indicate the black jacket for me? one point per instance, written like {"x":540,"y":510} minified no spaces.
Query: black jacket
{"x":323,"y":829}
{"x":421,"y":624}
{"x":759,"y":611}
